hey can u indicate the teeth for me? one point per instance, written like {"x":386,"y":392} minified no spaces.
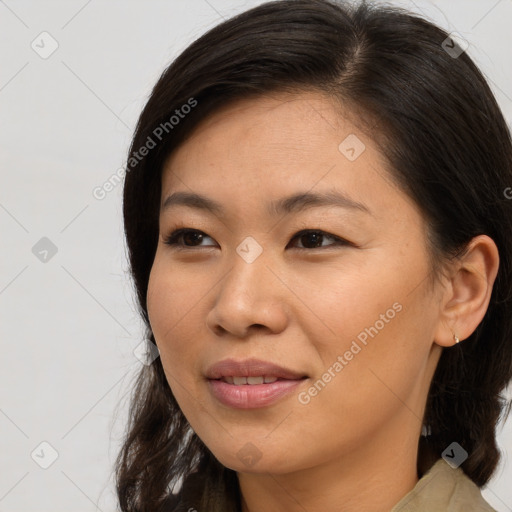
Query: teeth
{"x":255,"y":380}
{"x":240,"y":381}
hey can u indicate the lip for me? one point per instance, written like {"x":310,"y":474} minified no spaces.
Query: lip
{"x":250,"y":368}
{"x":251,"y":396}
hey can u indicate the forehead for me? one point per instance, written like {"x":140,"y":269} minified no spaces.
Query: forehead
{"x":269,"y":147}
{"x":281,"y":134}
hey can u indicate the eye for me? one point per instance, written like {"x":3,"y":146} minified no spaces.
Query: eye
{"x":192,"y":236}
{"x":185,"y":238}
{"x":315,"y":237}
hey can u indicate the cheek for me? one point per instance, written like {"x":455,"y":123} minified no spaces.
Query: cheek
{"x":160,"y":303}
{"x":381,"y":325}
{"x":172,"y":297}
{"x":384,"y":359}
{"x":170,"y":301}
{"x":378,"y":379}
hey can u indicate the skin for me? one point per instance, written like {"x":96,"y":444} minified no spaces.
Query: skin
{"x":353,"y":447}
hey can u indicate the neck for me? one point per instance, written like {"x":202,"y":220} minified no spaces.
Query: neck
{"x":367,"y":479}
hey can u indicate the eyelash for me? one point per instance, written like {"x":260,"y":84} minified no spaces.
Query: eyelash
{"x":172,"y":239}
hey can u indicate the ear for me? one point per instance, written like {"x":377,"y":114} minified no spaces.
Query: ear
{"x":467,"y":291}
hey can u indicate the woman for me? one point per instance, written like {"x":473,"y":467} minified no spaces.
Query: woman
{"x":320,"y":237}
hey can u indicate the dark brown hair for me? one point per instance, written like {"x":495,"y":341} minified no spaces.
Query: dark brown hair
{"x":447,"y":145}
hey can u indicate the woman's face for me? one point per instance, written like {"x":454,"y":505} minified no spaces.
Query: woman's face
{"x":347,"y":309}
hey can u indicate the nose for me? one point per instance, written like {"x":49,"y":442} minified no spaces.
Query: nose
{"x":250,"y":297}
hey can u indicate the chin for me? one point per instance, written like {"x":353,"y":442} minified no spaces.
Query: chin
{"x":250,"y":459}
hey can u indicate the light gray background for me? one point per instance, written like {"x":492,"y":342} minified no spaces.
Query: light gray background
{"x":69,"y":325}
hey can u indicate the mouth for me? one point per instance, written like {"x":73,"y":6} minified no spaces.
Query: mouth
{"x":251,"y":383}
{"x":252,"y":370}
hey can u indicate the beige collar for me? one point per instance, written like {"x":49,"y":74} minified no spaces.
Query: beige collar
{"x":444,"y":489}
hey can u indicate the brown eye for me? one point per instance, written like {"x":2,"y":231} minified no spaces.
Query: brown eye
{"x":190,"y":237}
{"x":310,"y":239}
{"x":313,"y":239}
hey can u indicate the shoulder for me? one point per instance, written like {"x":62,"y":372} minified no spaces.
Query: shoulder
{"x":444,"y":489}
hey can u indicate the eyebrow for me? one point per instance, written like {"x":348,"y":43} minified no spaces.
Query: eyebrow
{"x":294,"y":203}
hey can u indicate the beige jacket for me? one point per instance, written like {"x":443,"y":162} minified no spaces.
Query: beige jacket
{"x":444,"y":489}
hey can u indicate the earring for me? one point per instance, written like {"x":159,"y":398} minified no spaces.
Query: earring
{"x":455,"y":338}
